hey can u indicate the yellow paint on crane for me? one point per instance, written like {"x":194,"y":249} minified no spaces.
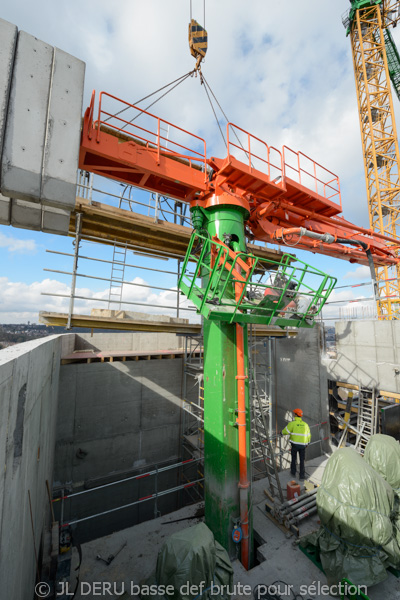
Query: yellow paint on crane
{"x":379,"y":140}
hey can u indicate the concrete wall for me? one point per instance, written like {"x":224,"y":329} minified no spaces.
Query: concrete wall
{"x":28,"y":412}
{"x":117,"y":419}
{"x":300,"y":381}
{"x":129,"y":341}
{"x":41,"y":92}
{"x":368,"y":353}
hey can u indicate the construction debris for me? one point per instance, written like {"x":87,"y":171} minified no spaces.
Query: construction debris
{"x":109,"y":560}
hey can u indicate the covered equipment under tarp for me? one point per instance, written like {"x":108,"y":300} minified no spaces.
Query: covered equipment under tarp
{"x":383,"y":454}
{"x":192,"y":561}
{"x":359,"y":535}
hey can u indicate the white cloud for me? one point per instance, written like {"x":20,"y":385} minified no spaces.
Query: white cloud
{"x":360,"y":273}
{"x":21,"y":302}
{"x":348,"y":304}
{"x":16,"y":246}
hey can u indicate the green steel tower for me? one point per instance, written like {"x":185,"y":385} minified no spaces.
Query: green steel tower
{"x":224,"y":290}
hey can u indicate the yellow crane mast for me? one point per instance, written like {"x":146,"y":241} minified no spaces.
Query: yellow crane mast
{"x":376,"y":62}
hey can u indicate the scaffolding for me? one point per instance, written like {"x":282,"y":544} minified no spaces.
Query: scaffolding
{"x":269,"y":454}
{"x":118,"y":282}
{"x":157,"y":206}
{"x":117,"y":275}
{"x":260,"y":389}
{"x":364,"y":407}
{"x":63,"y":495}
{"x":265,"y":453}
{"x":192,"y":432}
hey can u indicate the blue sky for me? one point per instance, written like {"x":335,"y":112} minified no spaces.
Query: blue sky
{"x":283,"y":72}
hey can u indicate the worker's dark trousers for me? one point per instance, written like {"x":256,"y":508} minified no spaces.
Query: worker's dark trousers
{"x":297,"y":448}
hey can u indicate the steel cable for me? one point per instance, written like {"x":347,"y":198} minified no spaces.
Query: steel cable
{"x":213,"y":109}
{"x":225,"y":116}
{"x":179,"y":79}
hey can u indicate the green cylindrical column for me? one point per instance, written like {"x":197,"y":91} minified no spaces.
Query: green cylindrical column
{"x":221,"y":459}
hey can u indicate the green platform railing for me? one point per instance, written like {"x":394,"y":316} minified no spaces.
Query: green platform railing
{"x":286,"y":293}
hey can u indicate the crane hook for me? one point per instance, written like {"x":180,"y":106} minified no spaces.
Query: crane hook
{"x":197,"y":42}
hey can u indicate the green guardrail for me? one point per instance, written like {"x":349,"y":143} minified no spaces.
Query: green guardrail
{"x":285,"y":293}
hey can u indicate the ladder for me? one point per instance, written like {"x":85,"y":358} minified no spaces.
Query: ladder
{"x":117,"y":275}
{"x":261,"y":443}
{"x":193,"y":369}
{"x":367,"y":416}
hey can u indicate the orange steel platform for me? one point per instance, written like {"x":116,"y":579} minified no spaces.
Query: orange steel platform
{"x":280,"y":190}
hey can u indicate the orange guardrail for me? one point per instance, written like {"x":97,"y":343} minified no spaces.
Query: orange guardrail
{"x":154,"y":135}
{"x":313,"y":176}
{"x":274,"y":169}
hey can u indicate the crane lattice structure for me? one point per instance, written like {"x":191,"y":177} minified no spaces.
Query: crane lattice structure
{"x":376,"y":62}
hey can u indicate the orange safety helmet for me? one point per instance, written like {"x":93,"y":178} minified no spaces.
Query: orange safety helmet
{"x":298,"y":412}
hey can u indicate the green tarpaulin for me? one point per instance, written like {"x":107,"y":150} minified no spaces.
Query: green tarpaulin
{"x":359,"y":534}
{"x":192,"y":561}
{"x":383,"y":454}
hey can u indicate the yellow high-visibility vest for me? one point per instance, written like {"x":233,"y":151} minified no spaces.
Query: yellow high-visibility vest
{"x":299,"y":432}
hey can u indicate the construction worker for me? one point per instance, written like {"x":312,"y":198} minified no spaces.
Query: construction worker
{"x":300,"y":437}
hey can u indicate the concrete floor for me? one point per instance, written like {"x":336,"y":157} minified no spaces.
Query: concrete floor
{"x":282,"y":558}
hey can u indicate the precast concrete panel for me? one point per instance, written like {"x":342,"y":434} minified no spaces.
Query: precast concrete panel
{"x":8,"y":40}
{"x":5,"y":210}
{"x":367,"y":354}
{"x":25,"y":132}
{"x":55,"y":220}
{"x":26,"y":215}
{"x":63,"y":132}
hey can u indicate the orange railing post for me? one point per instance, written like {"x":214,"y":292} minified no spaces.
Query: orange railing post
{"x":298,"y":164}
{"x":251,"y":155}
{"x":99,"y":118}
{"x":315,"y":177}
{"x":90,"y":115}
{"x":158,"y":141}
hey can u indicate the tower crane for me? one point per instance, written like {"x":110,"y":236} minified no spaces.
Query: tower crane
{"x":376,"y":61}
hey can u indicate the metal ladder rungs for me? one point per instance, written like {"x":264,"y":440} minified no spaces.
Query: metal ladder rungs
{"x":263,"y":439}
